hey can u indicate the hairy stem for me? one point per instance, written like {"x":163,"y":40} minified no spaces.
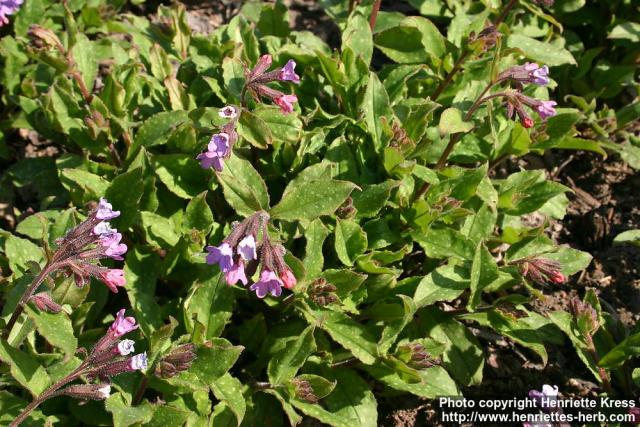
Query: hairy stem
{"x":50,"y":392}
{"x":374,"y":14}
{"x":28,"y":293}
{"x":505,"y":12}
{"x":604,"y":376}
{"x":447,"y":80}
{"x":453,"y":140}
{"x":142,"y":387}
{"x":88,"y":97}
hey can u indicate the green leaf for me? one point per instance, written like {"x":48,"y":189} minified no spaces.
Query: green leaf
{"x":357,"y":36}
{"x":372,"y":198}
{"x":83,"y":186}
{"x":445,"y":283}
{"x":285,"y":364}
{"x":244,"y":189}
{"x":435,"y":381}
{"x":124,"y":193}
{"x":210,"y":303}
{"x":463,"y":356}
{"x":351,"y":404}
{"x":571,"y":143}
{"x":350,"y":241}
{"x":229,"y":389}
{"x":20,"y":253}
{"x":159,"y":231}
{"x":629,"y":236}
{"x":394,"y":326}
{"x":182,"y":174}
{"x":348,"y":333}
{"x":627,"y":349}
{"x":254,"y":130}
{"x":24,"y":369}
{"x":415,"y":40}
{"x":198,"y":215}
{"x":451,"y":122}
{"x":484,"y":270}
{"x":141,"y":271}
{"x":308,"y":200}
{"x":375,"y":108}
{"x":444,"y":243}
{"x":274,"y":20}
{"x":284,"y":128}
{"x":83,"y":52}
{"x":571,"y":260}
{"x":525,"y":192}
{"x":545,"y":53}
{"x":626,"y":31}
{"x":315,"y":235}
{"x":56,"y":328}
{"x":157,"y":129}
{"x":214,"y":359}
{"x":125,"y":415}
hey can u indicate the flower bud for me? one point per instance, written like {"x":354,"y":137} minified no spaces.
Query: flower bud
{"x":304,"y":391}
{"x":346,"y":210}
{"x":43,"y":37}
{"x":178,"y":360}
{"x":88,"y":391}
{"x":322,"y":293}
{"x":415,"y":355}
{"x":44,"y":302}
{"x":585,"y":315}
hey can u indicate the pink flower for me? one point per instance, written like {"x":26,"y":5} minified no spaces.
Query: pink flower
{"x":236,"y":273}
{"x":228,"y":112}
{"x":288,"y":279}
{"x":285,"y":102}
{"x":115,"y":249}
{"x":217,"y":150}
{"x":103,"y":228}
{"x":138,"y":362}
{"x":8,"y":7}
{"x":113,"y":278}
{"x":122,"y":325}
{"x":221,"y":255}
{"x":125,"y":347}
{"x":288,"y":72}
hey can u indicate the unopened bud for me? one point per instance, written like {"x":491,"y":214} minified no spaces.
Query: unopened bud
{"x":322,"y":293}
{"x":346,"y":210}
{"x":88,"y":391}
{"x":415,"y":355}
{"x":304,"y":391}
{"x":178,"y":360}
{"x":542,"y":270}
{"x":43,"y":37}
{"x":585,"y":315}
{"x":44,"y":302}
{"x":485,"y":40}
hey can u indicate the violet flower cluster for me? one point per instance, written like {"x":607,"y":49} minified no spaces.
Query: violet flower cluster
{"x":240,"y":253}
{"x":83,"y":246}
{"x":257,"y":79}
{"x":221,"y":144}
{"x":8,"y":7}
{"x":515,"y":100}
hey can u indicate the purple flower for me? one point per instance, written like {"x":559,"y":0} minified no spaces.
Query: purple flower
{"x":104,"y":391}
{"x":217,"y":150}
{"x":285,"y":102}
{"x":228,"y":112}
{"x":545,"y":109}
{"x":114,"y":248}
{"x":247,"y":248}
{"x":288,"y":72}
{"x":221,"y":255}
{"x":105,"y":210}
{"x":540,"y":75}
{"x":269,"y":283}
{"x":103,"y":228}
{"x":125,"y":347}
{"x":543,"y":397}
{"x":8,"y":7}
{"x":138,"y":362}
{"x":236,"y":273}
{"x":122,"y":325}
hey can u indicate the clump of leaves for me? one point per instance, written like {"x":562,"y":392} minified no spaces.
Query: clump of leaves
{"x":364,"y":185}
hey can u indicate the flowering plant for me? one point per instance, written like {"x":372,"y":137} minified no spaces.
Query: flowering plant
{"x":296,"y":226}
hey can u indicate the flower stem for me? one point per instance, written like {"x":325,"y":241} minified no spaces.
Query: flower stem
{"x":142,"y":387}
{"x":604,"y":377}
{"x":453,"y":140}
{"x":28,"y":293}
{"x":50,"y":392}
{"x":447,"y":80}
{"x":374,"y":14}
{"x":505,"y":12}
